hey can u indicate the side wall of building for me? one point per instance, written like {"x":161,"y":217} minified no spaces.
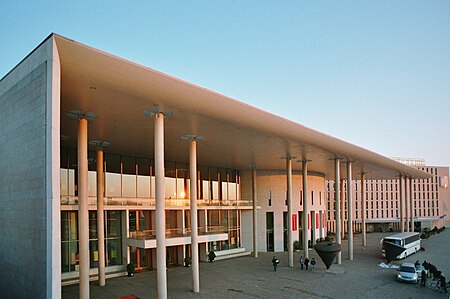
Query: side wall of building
{"x":271,"y":197}
{"x":29,"y":217}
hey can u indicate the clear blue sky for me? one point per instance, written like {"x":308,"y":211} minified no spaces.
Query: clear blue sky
{"x":373,"y":73}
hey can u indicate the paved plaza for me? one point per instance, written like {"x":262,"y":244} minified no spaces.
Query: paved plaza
{"x":247,"y":277}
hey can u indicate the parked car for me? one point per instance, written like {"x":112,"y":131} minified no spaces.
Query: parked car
{"x":407,"y":273}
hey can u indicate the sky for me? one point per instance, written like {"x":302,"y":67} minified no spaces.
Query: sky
{"x":372,"y":73}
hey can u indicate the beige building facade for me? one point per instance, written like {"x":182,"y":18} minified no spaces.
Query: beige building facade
{"x":430,"y":200}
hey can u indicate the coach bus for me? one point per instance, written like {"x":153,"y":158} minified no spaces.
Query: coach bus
{"x":409,"y":241}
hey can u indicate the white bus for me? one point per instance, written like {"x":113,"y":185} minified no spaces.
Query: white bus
{"x":409,"y":241}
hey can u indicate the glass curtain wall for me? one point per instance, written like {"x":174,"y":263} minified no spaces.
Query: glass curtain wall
{"x":69,"y":240}
{"x":131,"y":177}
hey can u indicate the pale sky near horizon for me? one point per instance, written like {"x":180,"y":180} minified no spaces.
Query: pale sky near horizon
{"x":373,"y":73}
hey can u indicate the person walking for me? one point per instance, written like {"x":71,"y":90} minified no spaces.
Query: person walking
{"x":275,"y":263}
{"x":302,"y":262}
{"x":306,"y":263}
{"x":313,"y":264}
{"x":442,"y":283}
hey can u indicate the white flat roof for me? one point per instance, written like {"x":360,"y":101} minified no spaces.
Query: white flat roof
{"x":236,"y":135}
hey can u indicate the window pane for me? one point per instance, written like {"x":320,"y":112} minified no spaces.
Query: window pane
{"x":205,"y":189}
{"x":232,"y":191}
{"x":114,"y":252}
{"x":92,"y":183}
{"x":64,"y":179}
{"x":92,"y":225}
{"x":143,"y":186}
{"x":128,"y":185}
{"x":72,"y":182}
{"x":113,"y":224}
{"x":112,"y":185}
{"x":65,"y":257}
{"x":170,"y":187}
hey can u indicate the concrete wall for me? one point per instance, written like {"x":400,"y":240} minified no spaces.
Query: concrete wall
{"x":274,"y":183}
{"x":29,"y":217}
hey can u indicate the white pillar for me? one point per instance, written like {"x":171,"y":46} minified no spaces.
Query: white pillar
{"x":363,"y":208}
{"x":407,"y":204}
{"x":337,"y":202}
{"x":83,"y":214}
{"x":305,"y":208}
{"x":342,"y":209}
{"x":100,"y":219}
{"x":289,"y":211}
{"x":401,"y":195}
{"x":194,"y":222}
{"x":350,"y":210}
{"x":161,"y":275}
{"x":255,"y":221}
{"x":411,"y":200}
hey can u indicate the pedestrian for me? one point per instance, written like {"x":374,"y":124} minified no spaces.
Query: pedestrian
{"x":423,"y":278}
{"x":443,"y":283}
{"x":275,"y":263}
{"x":211,"y":256}
{"x":313,"y":264}
{"x":306,"y":263}
{"x":302,"y":262}
{"x":433,"y":270}
{"x":417,"y":265}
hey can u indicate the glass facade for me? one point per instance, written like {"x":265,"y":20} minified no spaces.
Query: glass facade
{"x":130,"y":181}
{"x":130,"y":177}
{"x":69,"y":240}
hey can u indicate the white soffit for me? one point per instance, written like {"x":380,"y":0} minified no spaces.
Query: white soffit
{"x":235,"y":134}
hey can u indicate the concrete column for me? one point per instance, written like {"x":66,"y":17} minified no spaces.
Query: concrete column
{"x":305,"y":208}
{"x":350,"y":210}
{"x":407,"y":204}
{"x":83,"y":214}
{"x":194,"y":223}
{"x":100,"y":219}
{"x":337,"y":202}
{"x":400,"y":206}
{"x":411,"y":204}
{"x":161,"y":275}
{"x":255,"y":215}
{"x":289,"y":210}
{"x":342,"y":209}
{"x":363,"y":208}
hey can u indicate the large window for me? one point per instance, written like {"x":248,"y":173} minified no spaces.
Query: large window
{"x":70,"y":245}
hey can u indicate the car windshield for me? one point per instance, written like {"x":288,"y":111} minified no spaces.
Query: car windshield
{"x":408,"y":269}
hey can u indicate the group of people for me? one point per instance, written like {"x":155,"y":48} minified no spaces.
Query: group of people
{"x":434,"y":272}
{"x":304,"y":262}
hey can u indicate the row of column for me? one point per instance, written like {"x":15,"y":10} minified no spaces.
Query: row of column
{"x":160,"y":208}
{"x":83,"y":220}
{"x":339,"y":210}
{"x":406,"y":204}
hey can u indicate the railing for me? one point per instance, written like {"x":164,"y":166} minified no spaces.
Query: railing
{"x":177,"y":232}
{"x":150,"y":202}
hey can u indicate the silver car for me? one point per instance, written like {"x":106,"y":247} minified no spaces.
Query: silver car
{"x":407,"y":273}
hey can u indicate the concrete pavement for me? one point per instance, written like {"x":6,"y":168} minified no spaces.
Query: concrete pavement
{"x":247,"y":277}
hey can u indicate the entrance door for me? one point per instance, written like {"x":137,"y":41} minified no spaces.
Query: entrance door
{"x":172,"y":256}
{"x":269,"y":231}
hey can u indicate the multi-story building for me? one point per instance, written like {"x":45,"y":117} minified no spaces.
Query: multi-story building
{"x":430,"y":201}
{"x":99,"y":169}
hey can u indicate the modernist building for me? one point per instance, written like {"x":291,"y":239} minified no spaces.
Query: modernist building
{"x":106,"y":162}
{"x":426,"y":207}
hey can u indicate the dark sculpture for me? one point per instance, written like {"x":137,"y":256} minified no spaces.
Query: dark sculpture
{"x":392,"y":250}
{"x":327,"y":252}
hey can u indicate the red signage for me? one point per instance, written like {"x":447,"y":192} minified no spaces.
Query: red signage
{"x":308,"y":221}
{"x":294,"y":222}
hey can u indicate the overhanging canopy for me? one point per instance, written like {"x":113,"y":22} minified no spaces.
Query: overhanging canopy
{"x":236,"y":135}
